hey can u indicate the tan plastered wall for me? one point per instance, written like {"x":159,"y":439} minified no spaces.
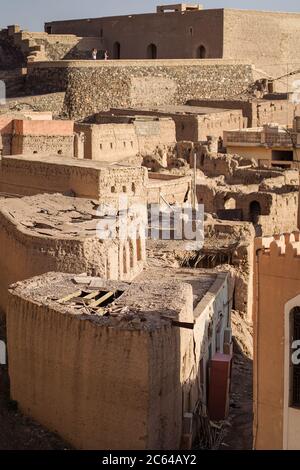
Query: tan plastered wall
{"x":265,"y":38}
{"x":276,"y":281}
{"x":115,"y":142}
{"x":256,"y":152}
{"x":99,"y":375}
{"x":81,"y":386}
{"x":32,"y":175}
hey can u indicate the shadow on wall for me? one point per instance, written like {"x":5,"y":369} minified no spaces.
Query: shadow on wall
{"x":81,"y":51}
{"x":4,"y":378}
{"x":10,"y":56}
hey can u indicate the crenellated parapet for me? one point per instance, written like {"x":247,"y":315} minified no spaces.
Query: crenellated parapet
{"x":287,"y":244}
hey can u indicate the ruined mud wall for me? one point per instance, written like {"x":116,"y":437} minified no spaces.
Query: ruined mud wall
{"x":93,"y":87}
{"x":112,"y":142}
{"x":258,"y":111}
{"x":57,"y":47}
{"x":283,"y":214}
{"x":43,"y":145}
{"x":43,"y":138}
{"x":172,"y":189}
{"x":214,"y":165}
{"x":23,"y":255}
{"x":104,"y":372}
{"x":278,"y":208}
{"x":29,"y":175}
{"x":52,"y":102}
{"x":5,"y":135}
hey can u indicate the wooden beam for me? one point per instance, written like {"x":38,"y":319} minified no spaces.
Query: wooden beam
{"x":101,"y":300}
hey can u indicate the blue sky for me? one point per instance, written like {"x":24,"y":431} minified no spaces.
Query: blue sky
{"x":31,"y":14}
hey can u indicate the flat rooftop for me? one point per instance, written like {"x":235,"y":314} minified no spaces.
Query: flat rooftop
{"x":173,"y":110}
{"x":53,"y":215}
{"x":142,"y":305}
{"x":200,"y":281}
{"x":64,"y":161}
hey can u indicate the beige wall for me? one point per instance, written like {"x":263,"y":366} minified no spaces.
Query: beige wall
{"x":264,"y":154}
{"x":124,"y":386}
{"x":29,"y":175}
{"x":108,"y":142}
{"x":279,"y":209}
{"x":96,"y":380}
{"x":257,"y":111}
{"x":118,"y":141}
{"x":265,"y":38}
{"x":276,"y":282}
{"x":173,"y":189}
{"x":256,"y":152}
{"x":176,"y":35}
{"x":192,"y":126}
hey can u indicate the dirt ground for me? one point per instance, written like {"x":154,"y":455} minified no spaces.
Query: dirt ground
{"x":20,"y":433}
{"x":240,"y":432}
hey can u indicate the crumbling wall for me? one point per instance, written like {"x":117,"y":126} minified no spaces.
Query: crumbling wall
{"x":271,"y":210}
{"x":5,"y":135}
{"x":214,"y":165}
{"x":30,"y":247}
{"x":52,"y":102}
{"x":29,"y":175}
{"x":112,"y":365}
{"x":258,"y":112}
{"x":94,"y":87}
{"x":236,"y":240}
{"x":283,"y":214}
{"x":43,"y":138}
{"x":123,"y":366}
{"x":24,"y":255}
{"x":116,"y":141}
{"x":59,"y":47}
{"x":173,"y":189}
{"x":16,"y":46}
